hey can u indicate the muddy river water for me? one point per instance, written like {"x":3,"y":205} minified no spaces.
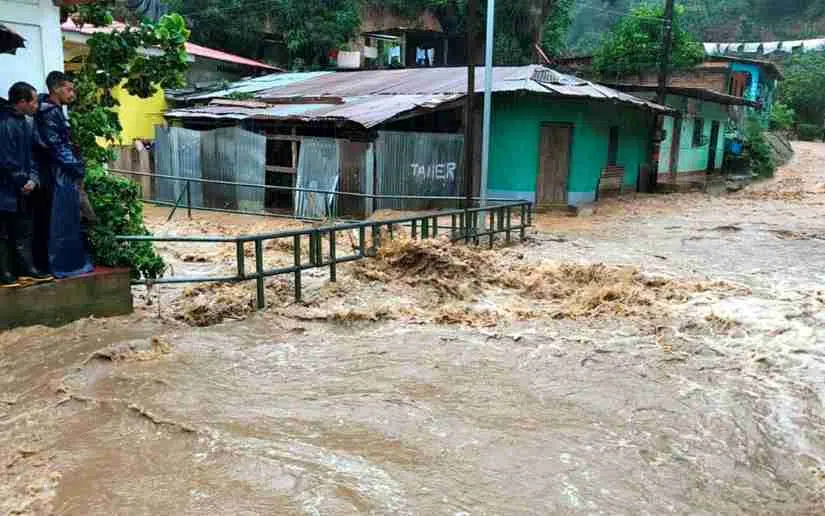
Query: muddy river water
{"x":705,"y":402}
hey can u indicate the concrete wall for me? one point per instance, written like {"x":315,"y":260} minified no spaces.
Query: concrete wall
{"x":514,"y":156}
{"x":39,"y":22}
{"x":138,"y":116}
{"x":756,"y":76}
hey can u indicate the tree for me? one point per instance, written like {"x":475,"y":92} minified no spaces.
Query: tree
{"x":802,"y":88}
{"x":311,"y":28}
{"x":634,"y":45}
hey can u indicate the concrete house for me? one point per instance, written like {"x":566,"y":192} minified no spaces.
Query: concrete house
{"x":754,"y":80}
{"x":694,"y":141}
{"x":38,"y":23}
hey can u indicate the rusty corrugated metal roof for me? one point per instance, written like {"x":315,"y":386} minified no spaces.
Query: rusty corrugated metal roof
{"x":370,"y":98}
{"x":367,"y":111}
{"x":450,"y":81}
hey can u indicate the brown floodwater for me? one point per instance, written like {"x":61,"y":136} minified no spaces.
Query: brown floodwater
{"x":709,"y":403}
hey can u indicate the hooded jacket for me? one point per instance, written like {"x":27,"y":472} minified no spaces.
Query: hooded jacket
{"x":17,"y":166}
{"x":63,"y":169}
{"x":56,"y":154}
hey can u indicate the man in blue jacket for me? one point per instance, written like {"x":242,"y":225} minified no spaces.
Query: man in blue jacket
{"x":63,"y":169}
{"x":18,"y":180}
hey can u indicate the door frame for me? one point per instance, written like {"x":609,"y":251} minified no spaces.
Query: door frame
{"x":572,"y":127}
{"x":713,"y":147}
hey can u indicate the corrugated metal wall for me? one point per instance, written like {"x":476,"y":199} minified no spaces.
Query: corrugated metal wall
{"x":318,"y":169}
{"x":177,"y":153}
{"x":227,"y":154}
{"x":234,"y":155}
{"x":425,"y":164}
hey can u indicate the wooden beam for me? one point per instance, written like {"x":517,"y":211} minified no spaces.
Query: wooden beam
{"x":281,"y":170}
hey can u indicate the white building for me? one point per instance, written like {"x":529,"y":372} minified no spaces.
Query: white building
{"x":38,"y":21}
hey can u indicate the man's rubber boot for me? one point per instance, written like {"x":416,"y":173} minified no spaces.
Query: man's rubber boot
{"x":7,"y":279}
{"x":29,"y":274}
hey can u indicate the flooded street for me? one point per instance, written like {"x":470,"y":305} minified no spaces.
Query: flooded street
{"x":685,"y":375}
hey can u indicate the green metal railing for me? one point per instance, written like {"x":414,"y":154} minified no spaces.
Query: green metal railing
{"x":505,"y":221}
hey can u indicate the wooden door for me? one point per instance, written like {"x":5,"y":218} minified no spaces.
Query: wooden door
{"x":554,"y":163}
{"x":714,"y":145}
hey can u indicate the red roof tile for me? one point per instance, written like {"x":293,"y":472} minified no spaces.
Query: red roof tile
{"x":191,"y":48}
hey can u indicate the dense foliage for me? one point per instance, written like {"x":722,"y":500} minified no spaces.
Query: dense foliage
{"x":310,"y":29}
{"x":116,"y":59}
{"x":634,"y":44}
{"x":708,"y":20}
{"x":809,"y":132}
{"x":119,"y":59}
{"x":117,"y":203}
{"x":803,"y":88}
{"x":783,"y":117}
{"x":757,"y":150}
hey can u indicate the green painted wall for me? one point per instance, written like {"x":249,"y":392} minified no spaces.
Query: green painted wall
{"x":693,"y":159}
{"x":514,"y":156}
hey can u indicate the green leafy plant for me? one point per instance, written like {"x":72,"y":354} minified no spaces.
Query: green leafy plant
{"x":757,"y":152}
{"x":634,"y":45}
{"x":802,"y":88}
{"x":782,"y":117}
{"x":121,"y":58}
{"x":117,"y":203}
{"x":809,"y":132}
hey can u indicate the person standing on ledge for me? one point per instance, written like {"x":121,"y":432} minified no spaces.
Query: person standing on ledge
{"x":61,"y":164}
{"x":18,"y":180}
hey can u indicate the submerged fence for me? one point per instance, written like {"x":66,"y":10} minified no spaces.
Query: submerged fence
{"x":468,"y":225}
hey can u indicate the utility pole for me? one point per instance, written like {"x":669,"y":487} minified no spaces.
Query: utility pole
{"x":469,"y":137}
{"x":488,"y":103}
{"x":667,"y":49}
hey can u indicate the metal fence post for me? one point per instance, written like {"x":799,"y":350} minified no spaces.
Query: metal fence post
{"x":189,"y":198}
{"x":435,"y":226}
{"x":239,"y":255}
{"x":362,"y":245}
{"x":376,"y":239}
{"x":523,"y":220}
{"x":259,"y":269}
{"x":333,"y":274}
{"x":297,"y":256}
{"x":492,"y":228}
{"x":509,"y":223}
{"x":414,"y":226}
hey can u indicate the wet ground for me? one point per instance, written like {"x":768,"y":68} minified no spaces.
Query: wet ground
{"x":684,"y":376}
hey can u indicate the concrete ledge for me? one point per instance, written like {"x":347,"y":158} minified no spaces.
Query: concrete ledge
{"x":103,"y":293}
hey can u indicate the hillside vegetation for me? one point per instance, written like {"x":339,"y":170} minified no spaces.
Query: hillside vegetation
{"x":708,"y":20}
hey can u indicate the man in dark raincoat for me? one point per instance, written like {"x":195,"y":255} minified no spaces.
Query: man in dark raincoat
{"x":62,"y":167}
{"x":18,"y":180}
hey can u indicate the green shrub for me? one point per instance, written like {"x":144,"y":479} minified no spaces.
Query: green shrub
{"x":757,"y":151}
{"x":809,"y":132}
{"x":119,"y":209}
{"x":782,"y":117}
